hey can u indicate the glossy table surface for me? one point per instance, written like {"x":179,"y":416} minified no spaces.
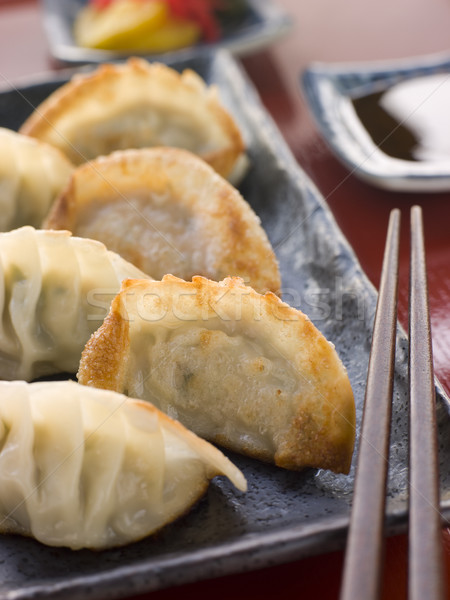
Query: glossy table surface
{"x":323,"y":30}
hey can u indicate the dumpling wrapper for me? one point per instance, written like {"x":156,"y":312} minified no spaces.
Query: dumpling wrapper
{"x":136,"y":105}
{"x":32,"y":175}
{"x":55,"y":291}
{"x":240,"y":369}
{"x":87,"y":468}
{"x":166,"y":211}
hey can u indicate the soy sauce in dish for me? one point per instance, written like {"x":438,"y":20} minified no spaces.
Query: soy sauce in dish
{"x":411,"y":119}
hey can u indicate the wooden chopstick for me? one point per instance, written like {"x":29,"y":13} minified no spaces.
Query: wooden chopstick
{"x":363,"y":558}
{"x":426,"y":566}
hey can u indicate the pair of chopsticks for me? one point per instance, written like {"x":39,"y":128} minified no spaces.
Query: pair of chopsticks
{"x":364,"y":552}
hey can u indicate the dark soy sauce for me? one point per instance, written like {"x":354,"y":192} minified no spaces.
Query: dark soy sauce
{"x":411,"y":119}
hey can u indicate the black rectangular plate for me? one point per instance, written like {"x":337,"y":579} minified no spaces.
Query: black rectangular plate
{"x":284,"y":515}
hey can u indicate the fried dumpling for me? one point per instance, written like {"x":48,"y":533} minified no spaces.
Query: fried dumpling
{"x":32,"y":174}
{"x":55,"y":290}
{"x":240,"y":369}
{"x":85,"y":468}
{"x":166,"y":211}
{"x":134,"y":105}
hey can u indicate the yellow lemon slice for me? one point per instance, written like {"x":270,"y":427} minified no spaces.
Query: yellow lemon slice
{"x":172,"y":35}
{"x":120,"y":25}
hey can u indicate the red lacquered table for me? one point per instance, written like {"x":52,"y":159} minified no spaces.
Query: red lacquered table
{"x":324,"y":30}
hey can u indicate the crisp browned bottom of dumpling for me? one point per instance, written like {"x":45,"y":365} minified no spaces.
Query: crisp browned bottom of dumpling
{"x":135,"y":105}
{"x":238,"y":368}
{"x":167,"y":211}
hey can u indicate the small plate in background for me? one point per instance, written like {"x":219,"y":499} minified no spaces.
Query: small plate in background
{"x":263,"y":24}
{"x":331,"y":89}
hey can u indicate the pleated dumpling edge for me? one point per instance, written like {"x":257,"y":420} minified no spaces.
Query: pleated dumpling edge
{"x":88,"y":468}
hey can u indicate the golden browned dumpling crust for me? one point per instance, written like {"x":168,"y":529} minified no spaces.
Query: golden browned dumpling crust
{"x":241,"y":369}
{"x":136,"y":105}
{"x":166,"y":211}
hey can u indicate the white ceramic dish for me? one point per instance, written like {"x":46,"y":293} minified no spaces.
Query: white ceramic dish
{"x":265,"y":23}
{"x":330,"y":89}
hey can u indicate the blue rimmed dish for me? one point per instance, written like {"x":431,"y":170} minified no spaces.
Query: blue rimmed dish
{"x":331,"y":91}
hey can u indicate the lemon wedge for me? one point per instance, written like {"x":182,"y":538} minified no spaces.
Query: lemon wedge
{"x":120,"y":26}
{"x":172,"y":35}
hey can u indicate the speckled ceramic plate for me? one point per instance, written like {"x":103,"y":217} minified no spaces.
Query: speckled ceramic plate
{"x":285,"y":515}
{"x":264,"y":23}
{"x":330,"y":89}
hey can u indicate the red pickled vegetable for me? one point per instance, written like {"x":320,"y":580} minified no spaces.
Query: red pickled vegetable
{"x":200,"y":11}
{"x":101,"y":3}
